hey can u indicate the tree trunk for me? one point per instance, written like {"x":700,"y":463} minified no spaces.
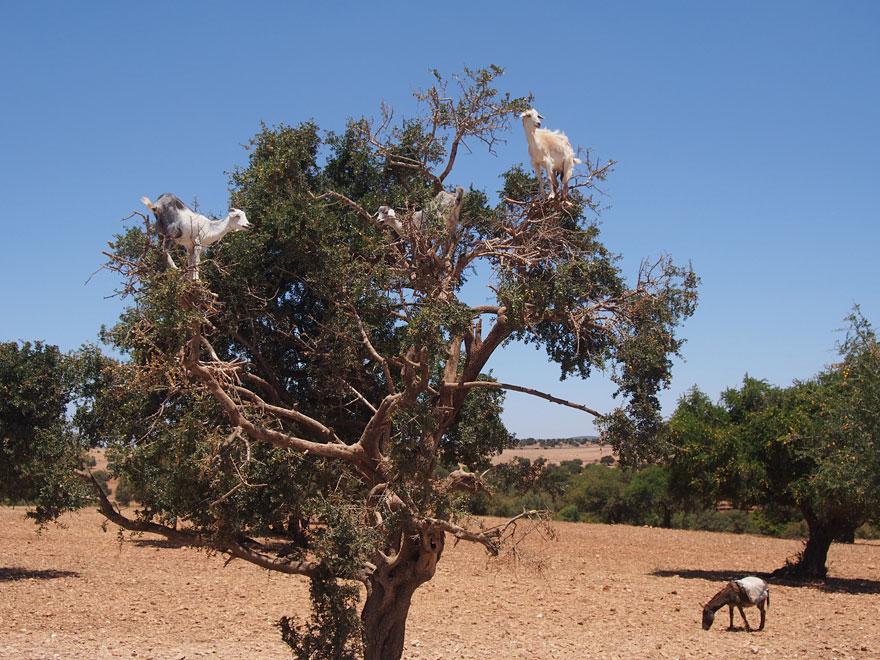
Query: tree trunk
{"x":667,"y":517}
{"x":812,"y":561}
{"x":390,"y":592}
{"x":848,"y":535}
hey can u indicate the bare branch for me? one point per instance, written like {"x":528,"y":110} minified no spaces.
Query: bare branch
{"x":360,"y":396}
{"x":350,"y":453}
{"x":196,"y":540}
{"x":492,"y":538}
{"x":524,"y":390}
{"x":288,"y":413}
{"x":378,"y":425}
{"x":389,"y":381}
{"x":357,"y":208}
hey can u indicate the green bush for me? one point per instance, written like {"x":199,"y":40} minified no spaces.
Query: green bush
{"x":599,"y":491}
{"x":781,"y":521}
{"x":735,"y":521}
{"x":868,"y":531}
{"x":796,"y":529}
{"x":125,"y":491}
{"x":641,"y":496}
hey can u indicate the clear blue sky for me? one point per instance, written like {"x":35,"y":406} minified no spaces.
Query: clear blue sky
{"x":747,"y":135}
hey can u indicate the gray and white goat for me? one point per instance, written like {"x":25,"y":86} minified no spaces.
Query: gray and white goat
{"x":177,"y":222}
{"x":749,"y":591}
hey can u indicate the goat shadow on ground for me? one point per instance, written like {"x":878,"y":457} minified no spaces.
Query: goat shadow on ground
{"x":832,"y":585}
{"x":15,"y":573}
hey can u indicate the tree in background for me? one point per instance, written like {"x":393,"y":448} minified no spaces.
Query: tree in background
{"x":304,"y":405}
{"x":814,"y":446}
{"x":39,"y":452}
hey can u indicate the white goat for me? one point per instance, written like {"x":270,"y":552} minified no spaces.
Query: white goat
{"x":549,"y":150}
{"x":177,"y":222}
{"x":385,"y":215}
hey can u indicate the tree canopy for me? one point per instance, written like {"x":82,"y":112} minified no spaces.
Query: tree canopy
{"x":40,"y":452}
{"x":319,"y":401}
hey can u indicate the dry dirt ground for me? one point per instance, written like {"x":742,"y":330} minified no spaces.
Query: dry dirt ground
{"x":606,"y":592}
{"x":587,"y":453}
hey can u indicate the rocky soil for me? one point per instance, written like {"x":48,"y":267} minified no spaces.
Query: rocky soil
{"x":604,"y":592}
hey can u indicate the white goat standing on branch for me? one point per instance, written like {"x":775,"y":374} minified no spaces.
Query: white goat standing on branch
{"x":549,"y":150}
{"x":194,"y":231}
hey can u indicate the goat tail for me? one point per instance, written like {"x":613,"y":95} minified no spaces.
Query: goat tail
{"x":768,"y":598}
{"x":146,"y":201}
{"x":577,"y":161}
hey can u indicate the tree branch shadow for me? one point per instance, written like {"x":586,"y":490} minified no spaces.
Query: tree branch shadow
{"x":15,"y":573}
{"x":831,"y":585}
{"x":157,"y":543}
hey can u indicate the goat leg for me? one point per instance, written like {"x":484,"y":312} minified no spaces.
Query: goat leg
{"x":743,"y":615}
{"x":540,"y":176}
{"x":171,"y":263}
{"x":763,"y":616}
{"x":730,"y":610}
{"x":566,"y":175}
{"x":195,"y":259}
{"x":551,"y":175}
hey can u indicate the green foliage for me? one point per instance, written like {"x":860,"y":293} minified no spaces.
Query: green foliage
{"x":638,"y":496}
{"x":479,"y":432}
{"x":599,"y":493}
{"x":39,"y":453}
{"x":125,"y":491}
{"x":813,"y":446}
{"x":868,"y":531}
{"x":334,"y":630}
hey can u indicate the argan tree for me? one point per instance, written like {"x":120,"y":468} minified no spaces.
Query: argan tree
{"x":319,"y":401}
{"x":39,"y":452}
{"x":813,"y":446}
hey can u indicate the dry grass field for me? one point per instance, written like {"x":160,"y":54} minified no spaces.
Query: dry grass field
{"x":587,"y":453}
{"x":606,"y":592}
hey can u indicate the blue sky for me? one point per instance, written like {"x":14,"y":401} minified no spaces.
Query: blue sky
{"x":746,"y":133}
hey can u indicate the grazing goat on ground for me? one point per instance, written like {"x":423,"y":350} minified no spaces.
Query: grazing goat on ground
{"x":175,"y":221}
{"x":747,"y":592}
{"x":549,"y":150}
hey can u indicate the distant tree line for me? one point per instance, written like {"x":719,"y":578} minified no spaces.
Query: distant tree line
{"x":579,"y":492}
{"x":801,"y":461}
{"x":578,"y":441}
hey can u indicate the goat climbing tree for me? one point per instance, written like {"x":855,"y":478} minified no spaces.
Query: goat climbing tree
{"x":301,"y":406}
